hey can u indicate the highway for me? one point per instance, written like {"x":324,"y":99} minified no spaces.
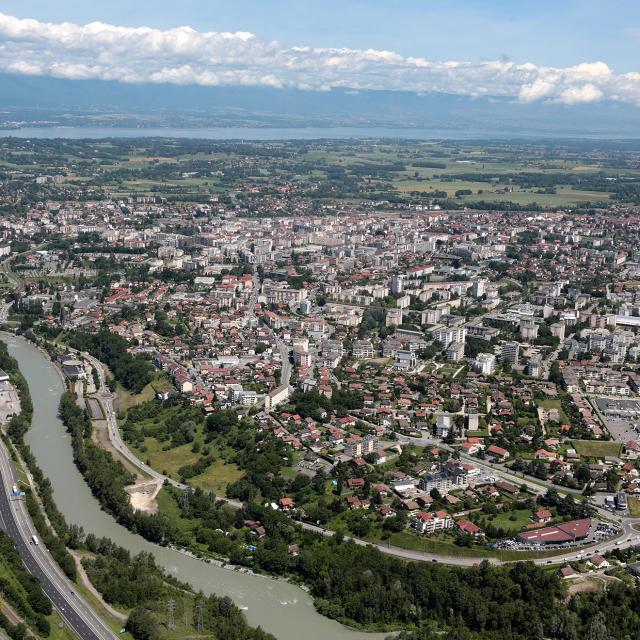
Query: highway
{"x":75,"y":611}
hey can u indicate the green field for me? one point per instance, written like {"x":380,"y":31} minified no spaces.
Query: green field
{"x":557,"y":176}
{"x":503,"y":520}
{"x":218,"y":475}
{"x":596,"y":448}
{"x":127,"y":399}
{"x":634,"y":507}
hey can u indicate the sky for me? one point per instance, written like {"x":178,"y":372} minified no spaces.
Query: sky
{"x":570,"y":51}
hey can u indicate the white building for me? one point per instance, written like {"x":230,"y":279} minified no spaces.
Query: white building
{"x":485,"y":363}
{"x":510,"y":352}
{"x":443,"y":425}
{"x":528,"y":329}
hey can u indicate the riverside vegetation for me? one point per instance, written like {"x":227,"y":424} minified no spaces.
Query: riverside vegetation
{"x":363,"y":587}
{"x":135,"y":583}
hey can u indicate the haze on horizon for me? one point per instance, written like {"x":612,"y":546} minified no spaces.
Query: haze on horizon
{"x":575,"y":55}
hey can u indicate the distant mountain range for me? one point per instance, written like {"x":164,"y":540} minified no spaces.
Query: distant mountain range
{"x":47,"y":101}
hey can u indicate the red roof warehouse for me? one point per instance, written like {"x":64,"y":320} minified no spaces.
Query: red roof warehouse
{"x":565,"y":532}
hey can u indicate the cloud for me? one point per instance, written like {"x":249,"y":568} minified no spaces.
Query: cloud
{"x":184,"y":56}
{"x":585,"y":93}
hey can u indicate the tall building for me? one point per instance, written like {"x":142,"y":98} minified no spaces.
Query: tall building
{"x":394,"y":317}
{"x":510,"y":352}
{"x":557,"y":330}
{"x":455,"y":351}
{"x":431,"y":316}
{"x":396,"y":286}
{"x":447,"y":335}
{"x":485,"y":363}
{"x":478,"y":288}
{"x":528,"y":329}
{"x":534,"y":367}
{"x":443,"y":425}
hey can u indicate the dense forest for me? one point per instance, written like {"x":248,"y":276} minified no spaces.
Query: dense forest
{"x":134,"y":373}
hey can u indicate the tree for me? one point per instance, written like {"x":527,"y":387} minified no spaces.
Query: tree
{"x":142,"y":625}
{"x":582,"y":474}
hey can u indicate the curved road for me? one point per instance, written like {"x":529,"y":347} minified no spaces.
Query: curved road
{"x":630,"y":536}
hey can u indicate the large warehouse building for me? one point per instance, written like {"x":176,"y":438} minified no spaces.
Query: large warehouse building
{"x":559,"y":534}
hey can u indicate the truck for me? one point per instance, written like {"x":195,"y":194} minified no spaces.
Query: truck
{"x":34,"y":540}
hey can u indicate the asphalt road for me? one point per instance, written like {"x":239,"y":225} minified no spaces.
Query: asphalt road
{"x":105,"y":397}
{"x":629,"y":537}
{"x":285,"y":372}
{"x":75,"y":611}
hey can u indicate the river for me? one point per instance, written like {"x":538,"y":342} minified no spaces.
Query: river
{"x":279,"y":607}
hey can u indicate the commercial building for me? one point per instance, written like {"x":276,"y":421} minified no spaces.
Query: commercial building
{"x":572,"y":531}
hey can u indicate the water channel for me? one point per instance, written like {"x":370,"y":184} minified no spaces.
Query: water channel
{"x":281,"y":608}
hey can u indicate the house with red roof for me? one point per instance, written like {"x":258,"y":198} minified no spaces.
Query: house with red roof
{"x":498,"y":453}
{"x":469,"y":528}
{"x":286,"y":503}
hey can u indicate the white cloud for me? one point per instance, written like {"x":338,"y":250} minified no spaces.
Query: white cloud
{"x":585,"y":93}
{"x":185,"y":56}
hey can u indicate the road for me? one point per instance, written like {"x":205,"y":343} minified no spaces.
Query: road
{"x":4,"y":311}
{"x":75,"y":611}
{"x":285,"y":371}
{"x":5,"y":267}
{"x":630,"y":536}
{"x":105,"y":397}
{"x":12,"y":278}
{"x":249,"y":314}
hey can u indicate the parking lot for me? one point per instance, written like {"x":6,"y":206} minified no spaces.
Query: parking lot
{"x":9,"y":401}
{"x":621,"y":416}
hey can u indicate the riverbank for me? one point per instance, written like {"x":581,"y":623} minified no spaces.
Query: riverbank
{"x":279,"y":607}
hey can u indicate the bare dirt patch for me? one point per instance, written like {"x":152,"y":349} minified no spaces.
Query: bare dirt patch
{"x":588,"y":584}
{"x":143,"y":495}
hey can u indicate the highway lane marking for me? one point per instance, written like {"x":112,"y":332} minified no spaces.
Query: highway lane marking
{"x":44,"y":563}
